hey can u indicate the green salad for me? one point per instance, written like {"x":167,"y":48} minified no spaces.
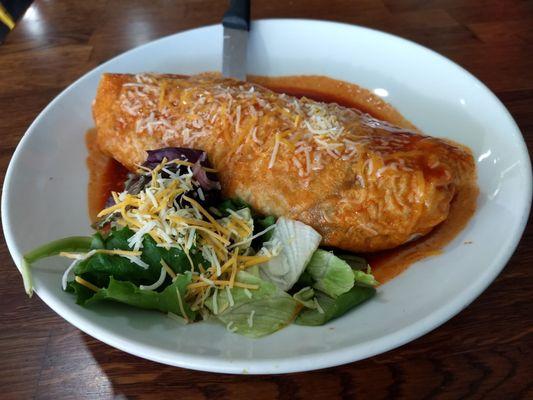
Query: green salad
{"x":169,"y":242}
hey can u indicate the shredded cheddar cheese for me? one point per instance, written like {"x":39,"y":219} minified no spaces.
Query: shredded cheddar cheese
{"x":88,"y":285}
{"x":166,"y":211}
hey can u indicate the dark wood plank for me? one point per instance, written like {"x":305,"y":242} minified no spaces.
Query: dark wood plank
{"x":483,"y":353}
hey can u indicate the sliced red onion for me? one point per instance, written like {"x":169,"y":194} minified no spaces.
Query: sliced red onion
{"x":174,"y":153}
{"x":208,"y":190}
{"x":201,"y":176}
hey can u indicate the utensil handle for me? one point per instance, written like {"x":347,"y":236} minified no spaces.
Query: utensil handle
{"x":238,"y":15}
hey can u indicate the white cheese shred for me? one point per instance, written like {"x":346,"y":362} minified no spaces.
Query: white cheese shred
{"x":230,"y":296}
{"x":246,"y":241}
{"x":135,"y":241}
{"x":215,"y":302}
{"x":318,"y":307}
{"x":180,"y":303}
{"x":177,"y":318}
{"x":251,"y":319}
{"x":274,"y":155}
{"x":230,"y":327}
{"x":137,"y":260}
{"x":64,"y":278}
{"x":157,"y":283}
{"x":78,"y":258}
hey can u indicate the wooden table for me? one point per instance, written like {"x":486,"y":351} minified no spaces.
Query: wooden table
{"x":484,"y":352}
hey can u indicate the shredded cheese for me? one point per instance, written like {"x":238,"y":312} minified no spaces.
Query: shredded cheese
{"x":318,"y":306}
{"x":64,"y":278}
{"x":190,"y":164}
{"x":215,"y":302}
{"x":244,"y":110}
{"x":230,"y":296}
{"x":165,"y":211}
{"x":177,"y":318}
{"x":251,"y":319}
{"x":88,"y":285}
{"x":230,"y":327}
{"x":197,"y":206}
{"x":157,"y":283}
{"x":255,"y":261}
{"x":248,"y":240}
{"x":83,"y":256}
{"x":180,"y":303}
{"x":168,"y":269}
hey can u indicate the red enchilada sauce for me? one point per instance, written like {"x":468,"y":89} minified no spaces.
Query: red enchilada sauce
{"x":106,"y":175}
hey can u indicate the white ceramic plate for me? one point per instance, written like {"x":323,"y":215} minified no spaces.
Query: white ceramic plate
{"x":44,"y":196}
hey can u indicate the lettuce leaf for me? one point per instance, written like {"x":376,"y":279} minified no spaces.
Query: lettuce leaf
{"x":329,"y":308}
{"x":100,"y":267}
{"x":234,"y":204}
{"x":246,"y":216}
{"x":128,"y":293}
{"x":81,"y":292}
{"x":365,"y":278}
{"x":260,"y":222}
{"x":330,"y":274}
{"x":296,"y":243}
{"x":306,"y":297}
{"x":338,"y":288}
{"x":71,"y":244}
{"x":255,"y":313}
{"x":356,"y":262}
{"x":260,"y":225}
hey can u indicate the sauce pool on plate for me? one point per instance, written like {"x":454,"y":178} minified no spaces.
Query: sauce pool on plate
{"x":106,"y":175}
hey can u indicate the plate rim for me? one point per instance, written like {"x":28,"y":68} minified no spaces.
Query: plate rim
{"x":299,"y":363}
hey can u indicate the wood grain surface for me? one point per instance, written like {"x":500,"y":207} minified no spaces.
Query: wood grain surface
{"x":484,"y":352}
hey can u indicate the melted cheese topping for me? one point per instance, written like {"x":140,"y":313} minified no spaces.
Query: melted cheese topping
{"x":308,"y":131}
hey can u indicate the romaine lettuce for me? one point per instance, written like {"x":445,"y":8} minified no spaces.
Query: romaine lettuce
{"x":306,"y":297}
{"x":128,"y":293}
{"x":329,"y":308}
{"x":295,"y":243}
{"x":98,"y":268}
{"x":330,"y":274}
{"x":72,"y":243}
{"x":254,"y":313}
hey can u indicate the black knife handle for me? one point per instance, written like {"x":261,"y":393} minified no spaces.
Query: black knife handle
{"x":238,"y":15}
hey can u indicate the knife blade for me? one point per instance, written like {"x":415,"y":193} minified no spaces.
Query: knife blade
{"x":236,"y":23}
